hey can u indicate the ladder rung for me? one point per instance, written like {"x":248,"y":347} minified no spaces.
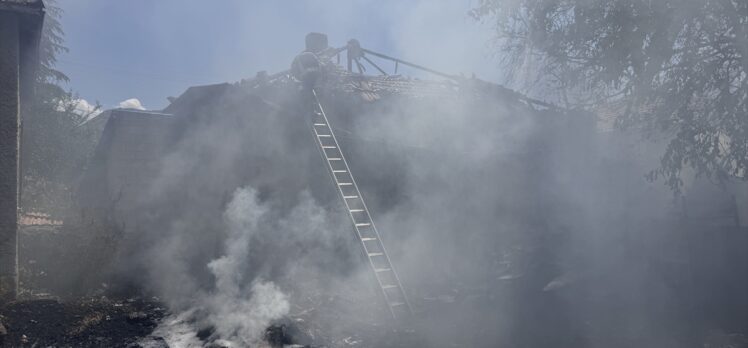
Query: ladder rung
{"x":393,"y":292}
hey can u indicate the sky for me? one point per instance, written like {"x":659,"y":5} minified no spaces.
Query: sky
{"x":150,"y":50}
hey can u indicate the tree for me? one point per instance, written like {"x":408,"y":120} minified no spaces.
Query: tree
{"x":673,"y":67}
{"x":55,"y":147}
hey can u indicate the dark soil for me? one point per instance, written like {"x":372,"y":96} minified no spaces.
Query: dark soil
{"x":99,"y":322}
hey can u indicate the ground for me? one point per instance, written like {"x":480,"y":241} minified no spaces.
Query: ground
{"x":87,"y":322}
{"x":104,"y":319}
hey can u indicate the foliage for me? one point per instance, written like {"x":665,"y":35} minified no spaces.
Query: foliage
{"x":670,"y":67}
{"x":55,"y":147}
{"x":51,"y":44}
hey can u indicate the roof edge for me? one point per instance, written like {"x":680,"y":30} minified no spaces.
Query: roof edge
{"x":25,"y":7}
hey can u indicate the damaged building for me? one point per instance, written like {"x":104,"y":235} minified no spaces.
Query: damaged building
{"x":420,"y":147}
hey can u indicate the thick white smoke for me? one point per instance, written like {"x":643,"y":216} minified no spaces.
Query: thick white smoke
{"x":239,"y":309}
{"x":241,"y":315}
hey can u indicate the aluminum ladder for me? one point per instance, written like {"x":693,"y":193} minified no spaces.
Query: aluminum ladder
{"x":366,"y":231}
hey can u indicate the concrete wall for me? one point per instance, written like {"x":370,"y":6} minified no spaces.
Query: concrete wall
{"x":9,"y":143}
{"x":20,"y":31}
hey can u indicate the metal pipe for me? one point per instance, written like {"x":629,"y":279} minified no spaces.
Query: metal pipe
{"x":374,"y":65}
{"x":384,"y":56}
{"x":360,"y":67}
{"x":438,"y":73}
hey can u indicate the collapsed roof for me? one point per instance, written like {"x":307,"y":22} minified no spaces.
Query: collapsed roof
{"x":213,"y":139}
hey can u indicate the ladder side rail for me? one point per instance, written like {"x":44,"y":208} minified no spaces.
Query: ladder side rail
{"x":363,"y":203}
{"x":348,"y":207}
{"x":340,"y":191}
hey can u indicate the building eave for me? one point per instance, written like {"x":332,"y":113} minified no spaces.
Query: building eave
{"x":35,"y":8}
